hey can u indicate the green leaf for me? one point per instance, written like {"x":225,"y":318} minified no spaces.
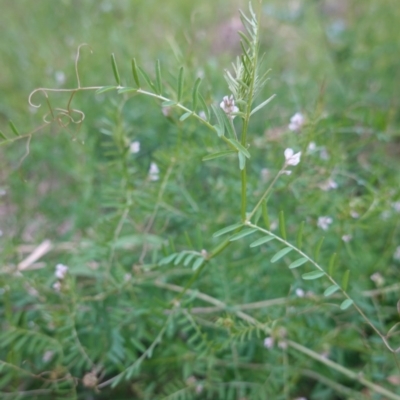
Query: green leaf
{"x":218,"y":113}
{"x":135,"y":72}
{"x":265,"y":214}
{"x":168,"y":259}
{"x":185,"y":116}
{"x":280,"y":254}
{"x":245,"y":38}
{"x":346,"y":304}
{"x":298,"y":263}
{"x":227,"y":229}
{"x":105,"y":89}
{"x":127,"y":90}
{"x":313,"y":275}
{"x":195,"y":93}
{"x":228,"y":124}
{"x":242,"y":161}
{"x":14,"y":128}
{"x":198,"y":263}
{"x":220,"y":131}
{"x":180,"y":258}
{"x":3,"y":136}
{"x":263,"y":104}
{"x":282,"y":224}
{"x":242,"y":234}
{"x":180,"y":84}
{"x":332,"y":264}
{"x":115,"y":69}
{"x":158,"y":77}
{"x":188,"y":259}
{"x":239,"y":147}
{"x":318,"y":248}
{"x":261,"y":241}
{"x":345,"y":280}
{"x":204,"y":106}
{"x":147,"y":79}
{"x":299,"y":241}
{"x":331,"y":289}
{"x":218,"y":155}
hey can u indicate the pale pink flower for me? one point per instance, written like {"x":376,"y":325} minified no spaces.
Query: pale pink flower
{"x":291,"y":158}
{"x":328,"y":185}
{"x":57,"y":286}
{"x":154,"y":172}
{"x":324,"y":222}
{"x":300,"y":292}
{"x":269,"y":342}
{"x":296,"y":122}
{"x":228,"y":105}
{"x":347,"y":238}
{"x":61,"y":271}
{"x":134,"y":147}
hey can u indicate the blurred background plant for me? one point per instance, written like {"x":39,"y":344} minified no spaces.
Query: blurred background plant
{"x":112,"y":196}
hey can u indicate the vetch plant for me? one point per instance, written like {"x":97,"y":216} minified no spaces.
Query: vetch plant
{"x":159,"y":319}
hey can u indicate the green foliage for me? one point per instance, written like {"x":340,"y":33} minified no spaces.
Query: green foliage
{"x":188,"y":279}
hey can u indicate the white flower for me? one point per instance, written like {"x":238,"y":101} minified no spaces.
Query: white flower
{"x":283,"y":344}
{"x":291,"y":158}
{"x":377,"y":278}
{"x":47,"y":356}
{"x":328,"y":185}
{"x":154,"y":172}
{"x":354,"y":214}
{"x":300,"y":292}
{"x":324,"y":222}
{"x":296,"y":122}
{"x":134,"y":147}
{"x":228,"y":105}
{"x":60,"y":77}
{"x":311,"y":147}
{"x":57,"y":286}
{"x":61,"y":271}
{"x":396,"y":206}
{"x":347,"y":238}
{"x":396,"y":254}
{"x":269,"y":342}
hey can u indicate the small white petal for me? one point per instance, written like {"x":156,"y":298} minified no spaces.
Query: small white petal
{"x":268,"y":342}
{"x":288,"y":153}
{"x":134,"y":147}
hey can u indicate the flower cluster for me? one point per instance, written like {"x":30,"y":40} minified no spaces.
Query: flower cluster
{"x":228,"y":105}
{"x":60,"y":273}
{"x":324,"y":222}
